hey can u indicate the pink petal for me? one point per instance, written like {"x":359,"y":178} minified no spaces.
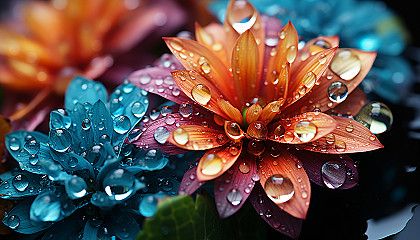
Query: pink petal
{"x":190,"y":183}
{"x":273,"y":215}
{"x":312,"y":163}
{"x":233,"y":188}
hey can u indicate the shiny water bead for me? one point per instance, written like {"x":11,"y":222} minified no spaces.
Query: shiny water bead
{"x":279,"y":188}
{"x":145,"y":79}
{"x":346,"y":64}
{"x":305,"y":131}
{"x":76,"y":187}
{"x":211,"y":164}
{"x":154,"y":159}
{"x":45,"y":208}
{"x":257,"y":130}
{"x":376,"y":116}
{"x":14,"y":144}
{"x":319,"y":46}
{"x":201,"y":94}
{"x":165,"y":111}
{"x":185,"y":109}
{"x":180,"y":136}
{"x":20,"y":182}
{"x":60,"y":139}
{"x":233,"y":130}
{"x":138,"y":109}
{"x":148,"y":204}
{"x":119,"y":183}
{"x":161,"y":135}
{"x":337,"y":92}
{"x":309,"y":80}
{"x":86,"y":124}
{"x":13,"y":221}
{"x":291,"y":54}
{"x":333,"y":174}
{"x":244,"y":21}
{"x":244,"y":167}
{"x":279,"y":132}
{"x":32,"y":145}
{"x":122,"y":124}
{"x":234,"y":197}
{"x":256,"y":148}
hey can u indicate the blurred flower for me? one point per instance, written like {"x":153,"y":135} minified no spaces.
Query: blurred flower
{"x":366,"y":25}
{"x":81,"y":180}
{"x":260,"y":113}
{"x":47,"y":43}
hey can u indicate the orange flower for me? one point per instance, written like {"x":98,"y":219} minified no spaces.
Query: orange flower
{"x":53,"y":41}
{"x":269,"y":97}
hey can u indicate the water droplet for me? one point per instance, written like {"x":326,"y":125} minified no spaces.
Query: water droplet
{"x":13,"y":221}
{"x":233,"y":130}
{"x":330,"y":138}
{"x":138,"y":109}
{"x":122,"y":124}
{"x":128,"y":88}
{"x":86,"y":124}
{"x":201,"y":94}
{"x":234,"y":197}
{"x":256,"y":177}
{"x":376,"y":116}
{"x":333,"y":174}
{"x":180,"y":136}
{"x":349,"y":127}
{"x":148,"y":204}
{"x":233,"y":150}
{"x":279,"y":188}
{"x":305,"y":131}
{"x":211,"y":164}
{"x":72,"y":162}
{"x":291,"y":54}
{"x":323,"y":44}
{"x":145,"y":79}
{"x":299,"y":164}
{"x":309,"y":80}
{"x":185,"y":109}
{"x":76,"y":187}
{"x":170,"y":120}
{"x":275,"y":150}
{"x":119,"y":183}
{"x":279,"y":132}
{"x":46,"y":208}
{"x":32,"y":146}
{"x":322,"y":58}
{"x":60,"y":140}
{"x":257,"y":130}
{"x":271,"y":41}
{"x":346,"y":64}
{"x":161,"y":135}
{"x":244,"y":167}
{"x":14,"y":144}
{"x":20,"y":182}
{"x":205,"y":67}
{"x":176,"y":44}
{"x":33,"y":159}
{"x":337,"y":92}
{"x":256,"y":148}
{"x":246,"y":20}
{"x":165,"y":111}
{"x":340,"y":146}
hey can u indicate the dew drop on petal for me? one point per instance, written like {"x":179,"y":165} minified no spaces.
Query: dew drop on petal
{"x":309,"y":80}
{"x":180,"y":136}
{"x":233,"y":130}
{"x":291,"y":54}
{"x":60,"y":139}
{"x":376,"y":116}
{"x":211,"y":164}
{"x":234,"y":197}
{"x":86,"y":124}
{"x":346,"y":64}
{"x":161,"y":135}
{"x":244,"y":167}
{"x":13,"y":221}
{"x":305,"y":131}
{"x":279,"y":132}
{"x":138,"y":109}
{"x":279,"y":188}
{"x":20,"y":182}
{"x":185,"y":109}
{"x":337,"y":92}
{"x":76,"y":187}
{"x":14,"y":144}
{"x":119,"y":183}
{"x":256,"y":148}
{"x":333,"y":174}
{"x":257,"y":130}
{"x":201,"y":94}
{"x":32,"y":146}
{"x":122,"y":124}
{"x":145,"y":79}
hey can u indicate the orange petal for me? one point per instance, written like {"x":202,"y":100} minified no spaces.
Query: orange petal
{"x":253,"y":113}
{"x":229,"y":110}
{"x":210,"y":37}
{"x":199,"y":89}
{"x":195,"y":56}
{"x":278,"y":161}
{"x":299,"y":129}
{"x":304,"y":76}
{"x":316,"y":45}
{"x":197,"y":137}
{"x":217,"y":161}
{"x":348,"y":137}
{"x":270,"y":111}
{"x":319,"y":97}
{"x":244,"y":67}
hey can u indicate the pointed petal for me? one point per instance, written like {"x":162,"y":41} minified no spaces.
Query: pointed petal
{"x":244,"y":67}
{"x":273,"y":215}
{"x":198,"y":137}
{"x":288,"y":130}
{"x":233,"y":188}
{"x":286,"y":165}
{"x":352,"y":105}
{"x":195,"y":56}
{"x":303,"y":77}
{"x":316,"y":45}
{"x":319,"y":97}
{"x":158,"y":81}
{"x":270,"y":111}
{"x":199,"y":89}
{"x":312,"y":162}
{"x":190,"y":182}
{"x":217,"y":161}
{"x":210,"y":37}
{"x":229,"y":110}
{"x":253,"y":113}
{"x":348,"y":137}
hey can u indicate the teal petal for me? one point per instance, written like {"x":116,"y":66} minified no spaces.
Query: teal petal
{"x":82,"y":90}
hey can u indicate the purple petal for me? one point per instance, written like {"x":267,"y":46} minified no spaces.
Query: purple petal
{"x":168,"y":61}
{"x":344,"y":177}
{"x":190,"y":183}
{"x":158,"y":81}
{"x":273,"y":215}
{"x":233,"y":188}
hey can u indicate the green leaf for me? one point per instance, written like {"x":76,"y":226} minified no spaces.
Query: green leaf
{"x":180,"y":218}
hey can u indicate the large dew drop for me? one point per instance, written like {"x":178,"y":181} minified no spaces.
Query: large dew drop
{"x":233,"y":130}
{"x":119,"y":183}
{"x":76,"y":187}
{"x":211,"y":164}
{"x":60,"y":140}
{"x":234,"y":197}
{"x":46,"y":208}
{"x":148,"y":204}
{"x":346,"y":64}
{"x":161,"y":134}
{"x":305,"y":131}
{"x":376,"y":116}
{"x":201,"y":94}
{"x":122,"y":124}
{"x":333,"y":174}
{"x":257,"y":130}
{"x":13,"y":221}
{"x":337,"y":92}
{"x":180,"y":136}
{"x":279,"y":188}
{"x":185,"y":109}
{"x":245,"y":20}
{"x":20,"y":182}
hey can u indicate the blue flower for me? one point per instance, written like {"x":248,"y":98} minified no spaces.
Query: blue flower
{"x":365,"y":25}
{"x":82,"y":180}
